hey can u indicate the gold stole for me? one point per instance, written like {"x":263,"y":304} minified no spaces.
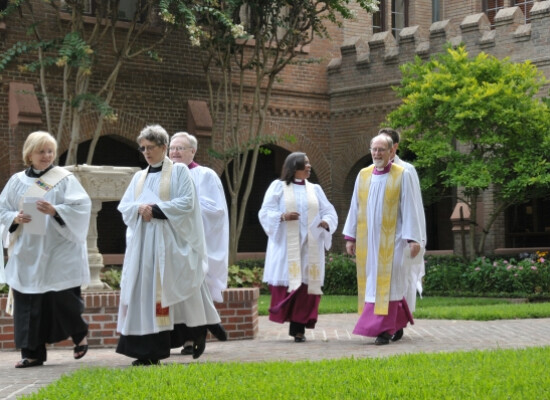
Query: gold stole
{"x":162,"y":313}
{"x":40,"y":187}
{"x":387,"y":237}
{"x":293,"y":242}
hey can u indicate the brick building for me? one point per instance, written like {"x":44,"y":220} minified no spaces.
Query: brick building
{"x":333,"y":107}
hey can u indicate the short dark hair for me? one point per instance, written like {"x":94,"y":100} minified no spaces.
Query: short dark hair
{"x":391,"y":133}
{"x":294,"y":162}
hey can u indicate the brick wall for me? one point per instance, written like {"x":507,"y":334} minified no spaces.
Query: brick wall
{"x":238,"y":312}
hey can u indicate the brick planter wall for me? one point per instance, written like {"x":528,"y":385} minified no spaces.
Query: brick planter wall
{"x":238,"y":312}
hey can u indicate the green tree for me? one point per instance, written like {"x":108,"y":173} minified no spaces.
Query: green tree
{"x":476,"y":124}
{"x":246,"y":45}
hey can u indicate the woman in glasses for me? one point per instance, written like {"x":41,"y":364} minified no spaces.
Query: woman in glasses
{"x":47,"y":212}
{"x":165,"y":260}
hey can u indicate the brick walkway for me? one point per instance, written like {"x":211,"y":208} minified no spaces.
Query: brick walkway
{"x":331,"y":339}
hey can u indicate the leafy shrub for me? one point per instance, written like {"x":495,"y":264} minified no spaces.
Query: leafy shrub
{"x":444,"y":274}
{"x":246,"y":277}
{"x":251,"y":264}
{"x":111,"y":275}
{"x":340,"y":274}
{"x":528,"y":276}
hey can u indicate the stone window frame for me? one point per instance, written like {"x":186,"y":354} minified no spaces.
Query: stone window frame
{"x":90,"y":9}
{"x":379,"y":18}
{"x":244,"y":18}
{"x":404,"y":12}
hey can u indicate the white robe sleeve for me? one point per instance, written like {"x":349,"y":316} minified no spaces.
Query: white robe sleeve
{"x":272,"y":208}
{"x":350,"y":227}
{"x":215,"y":218}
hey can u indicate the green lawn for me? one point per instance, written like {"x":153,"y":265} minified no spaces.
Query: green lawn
{"x":472,"y":308}
{"x":500,"y":374}
{"x":492,"y":374}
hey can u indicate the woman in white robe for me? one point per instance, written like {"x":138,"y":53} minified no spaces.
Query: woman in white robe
{"x":48,"y":260}
{"x":299,"y":222}
{"x":165,"y":261}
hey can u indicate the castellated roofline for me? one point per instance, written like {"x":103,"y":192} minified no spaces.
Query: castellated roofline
{"x":511,"y":37}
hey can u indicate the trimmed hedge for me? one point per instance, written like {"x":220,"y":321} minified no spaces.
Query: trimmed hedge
{"x":526,"y":275}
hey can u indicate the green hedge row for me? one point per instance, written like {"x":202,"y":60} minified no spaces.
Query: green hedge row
{"x":526,"y":275}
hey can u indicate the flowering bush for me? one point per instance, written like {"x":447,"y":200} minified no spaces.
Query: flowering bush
{"x":527,"y":275}
{"x":530,"y":275}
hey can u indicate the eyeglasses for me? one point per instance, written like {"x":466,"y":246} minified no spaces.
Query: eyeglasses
{"x":178,"y":148}
{"x":143,"y":149}
{"x":378,"y":150}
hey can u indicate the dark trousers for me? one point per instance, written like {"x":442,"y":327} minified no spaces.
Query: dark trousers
{"x":50,"y":317}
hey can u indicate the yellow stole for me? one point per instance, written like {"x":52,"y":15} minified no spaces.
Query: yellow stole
{"x":387,"y":237}
{"x":162,"y":313}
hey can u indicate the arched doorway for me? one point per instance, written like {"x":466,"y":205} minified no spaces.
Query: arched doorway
{"x":253,"y":237}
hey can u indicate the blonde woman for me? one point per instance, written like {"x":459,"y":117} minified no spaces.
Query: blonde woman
{"x":47,"y":264}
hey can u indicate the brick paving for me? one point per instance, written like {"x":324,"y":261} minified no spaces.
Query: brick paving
{"x":331,"y":339}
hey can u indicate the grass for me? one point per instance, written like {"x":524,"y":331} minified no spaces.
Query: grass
{"x":470,"y":308}
{"x":494,"y":374}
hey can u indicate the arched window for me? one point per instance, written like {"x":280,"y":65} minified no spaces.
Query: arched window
{"x":491,"y":8}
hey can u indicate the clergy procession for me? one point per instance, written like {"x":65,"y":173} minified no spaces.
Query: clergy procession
{"x":177,"y":238}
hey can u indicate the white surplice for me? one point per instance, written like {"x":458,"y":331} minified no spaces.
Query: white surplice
{"x":408,"y":227}
{"x":173,"y":249}
{"x":417,"y":265}
{"x":276,"y":258}
{"x":216,"y":227}
{"x":57,"y":260}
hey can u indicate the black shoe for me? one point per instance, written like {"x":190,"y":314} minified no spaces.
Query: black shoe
{"x":299,"y":339}
{"x":218,"y":331}
{"x":187,"y":350}
{"x":382,"y":339}
{"x":26,"y":363}
{"x":198,"y":347}
{"x":145,"y":363}
{"x":397,"y":335}
{"x":80,"y":351}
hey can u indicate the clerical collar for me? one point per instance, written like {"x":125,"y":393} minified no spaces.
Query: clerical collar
{"x":35,"y":173}
{"x":193,"y":164}
{"x":155,"y":168}
{"x":384,"y":171}
{"x":299,"y":181}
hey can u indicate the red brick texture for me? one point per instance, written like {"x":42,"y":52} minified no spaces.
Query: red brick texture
{"x":238,"y":312}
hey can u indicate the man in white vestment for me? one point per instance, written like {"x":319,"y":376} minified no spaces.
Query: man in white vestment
{"x":183,"y":147}
{"x":382,"y":228}
{"x":416,"y":275}
{"x":165,"y":261}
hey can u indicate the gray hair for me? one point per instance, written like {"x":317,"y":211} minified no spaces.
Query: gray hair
{"x":154,"y":133}
{"x":385,"y":137}
{"x":192,"y":140}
